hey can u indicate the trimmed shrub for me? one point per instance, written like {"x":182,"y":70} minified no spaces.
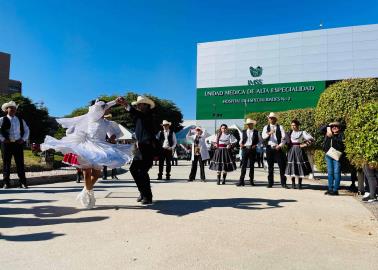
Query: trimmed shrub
{"x":319,"y":157}
{"x":361,"y":136}
{"x":341,"y":99}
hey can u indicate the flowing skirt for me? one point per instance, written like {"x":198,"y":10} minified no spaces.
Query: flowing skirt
{"x":222,"y":161}
{"x":90,"y":153}
{"x":297,"y":163}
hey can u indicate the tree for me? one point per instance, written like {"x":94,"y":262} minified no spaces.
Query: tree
{"x":164,"y":110}
{"x":35,"y":115}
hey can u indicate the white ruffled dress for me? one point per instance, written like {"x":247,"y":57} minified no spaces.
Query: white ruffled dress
{"x":86,"y":138}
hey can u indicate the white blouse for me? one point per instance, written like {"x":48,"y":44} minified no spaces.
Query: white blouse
{"x":226,"y":139}
{"x":300,"y":136}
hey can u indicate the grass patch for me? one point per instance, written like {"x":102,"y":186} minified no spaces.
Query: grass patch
{"x":33,"y":163}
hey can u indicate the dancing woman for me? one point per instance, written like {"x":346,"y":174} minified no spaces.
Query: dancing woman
{"x":222,"y":160}
{"x":86,"y":139}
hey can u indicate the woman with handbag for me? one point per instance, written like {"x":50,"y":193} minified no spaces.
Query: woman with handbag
{"x":333,"y":146}
{"x":222,"y":160}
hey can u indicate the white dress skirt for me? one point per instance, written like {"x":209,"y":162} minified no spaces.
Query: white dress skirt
{"x":86,"y":138}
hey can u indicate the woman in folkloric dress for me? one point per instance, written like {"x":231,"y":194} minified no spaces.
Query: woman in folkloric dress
{"x":298,"y":165}
{"x":222,"y":160}
{"x":86,"y":140}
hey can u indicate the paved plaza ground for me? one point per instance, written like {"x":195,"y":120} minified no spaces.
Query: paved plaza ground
{"x":192,"y":225}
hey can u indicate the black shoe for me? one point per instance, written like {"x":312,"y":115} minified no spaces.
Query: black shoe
{"x":224,"y":179}
{"x":285,"y":186}
{"x":335,"y":193}
{"x":104,"y":178}
{"x":240,"y":184}
{"x":190,"y":180}
{"x":140,"y":198}
{"x":146,"y":201}
{"x":159,"y":178}
{"x":269,"y":186}
{"x":252,"y":182}
{"x":203,"y":180}
{"x":218,"y":180}
{"x":168,"y":177}
{"x":328,"y":192}
{"x":115,"y":177}
{"x":6,"y":186}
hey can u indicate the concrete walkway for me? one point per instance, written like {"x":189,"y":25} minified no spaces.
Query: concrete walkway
{"x":191,"y":226}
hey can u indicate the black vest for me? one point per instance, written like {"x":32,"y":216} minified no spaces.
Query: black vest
{"x":278,"y":133}
{"x":170,"y":138}
{"x":255,"y":138}
{"x":5,"y":127}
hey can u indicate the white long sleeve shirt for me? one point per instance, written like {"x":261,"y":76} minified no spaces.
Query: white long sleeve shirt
{"x":273,"y":138}
{"x":15,"y":132}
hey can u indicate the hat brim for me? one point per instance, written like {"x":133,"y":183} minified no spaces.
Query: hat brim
{"x":5,"y":106}
{"x":144,"y":101}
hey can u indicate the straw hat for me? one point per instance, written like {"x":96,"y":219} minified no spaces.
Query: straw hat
{"x":335,"y":124}
{"x":8,"y":104}
{"x":144,"y":100}
{"x":272,"y":115}
{"x":250,"y":121}
{"x":165,"y":122}
{"x":109,"y":115}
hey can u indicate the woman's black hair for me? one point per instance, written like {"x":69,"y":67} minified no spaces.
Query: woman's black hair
{"x":296,"y":122}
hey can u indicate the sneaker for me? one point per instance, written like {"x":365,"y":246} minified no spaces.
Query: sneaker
{"x":366,"y":195}
{"x":92,"y":199}
{"x":372,"y":200}
{"x":328,"y":192}
{"x":146,"y":201}
{"x":84,"y":198}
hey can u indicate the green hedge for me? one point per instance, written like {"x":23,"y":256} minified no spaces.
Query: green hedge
{"x":341,"y":100}
{"x":361,"y":136}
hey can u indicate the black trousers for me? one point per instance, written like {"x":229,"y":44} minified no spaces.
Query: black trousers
{"x":248,"y":157}
{"x":139,"y":170}
{"x":273,"y":155}
{"x":166,"y":155}
{"x":260,"y":159}
{"x":16,"y":150}
{"x":105,"y":172}
{"x":193,"y":171}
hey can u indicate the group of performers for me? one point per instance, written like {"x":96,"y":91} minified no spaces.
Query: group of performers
{"x":294,"y":165}
{"x":90,"y":146}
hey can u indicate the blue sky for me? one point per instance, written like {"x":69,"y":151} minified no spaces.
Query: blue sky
{"x":68,"y":52}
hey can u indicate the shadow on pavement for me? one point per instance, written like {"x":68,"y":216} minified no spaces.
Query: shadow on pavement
{"x":31,"y":237}
{"x":185,"y":207}
{"x":43,"y":215}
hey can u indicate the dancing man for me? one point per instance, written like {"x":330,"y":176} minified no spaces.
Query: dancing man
{"x":168,"y":142}
{"x":146,"y":144}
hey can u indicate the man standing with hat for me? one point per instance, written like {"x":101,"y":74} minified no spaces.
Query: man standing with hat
{"x":249,"y":141}
{"x":275,"y":138}
{"x":200,"y":153}
{"x":168,"y":142}
{"x":14,"y":132}
{"x":146,"y":144}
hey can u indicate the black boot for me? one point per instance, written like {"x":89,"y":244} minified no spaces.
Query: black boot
{"x":78,"y":177}
{"x":218,"y":179}
{"x":224,"y":179}
{"x":293,"y":182}
{"x":300,"y":183}
{"x":240,"y":183}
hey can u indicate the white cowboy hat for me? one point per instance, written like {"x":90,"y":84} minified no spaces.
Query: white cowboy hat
{"x":8,"y":104}
{"x":272,"y":115}
{"x":144,"y":100}
{"x":250,"y":121}
{"x":165,"y":122}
